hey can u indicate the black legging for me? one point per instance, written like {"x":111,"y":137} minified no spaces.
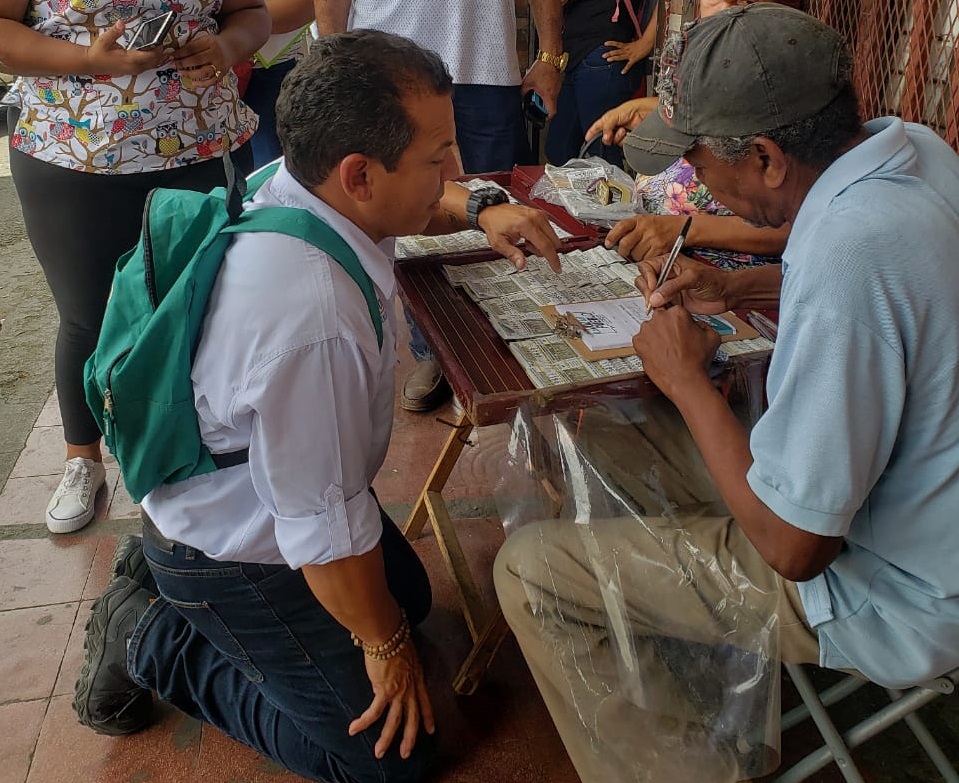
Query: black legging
{"x":78,"y":251}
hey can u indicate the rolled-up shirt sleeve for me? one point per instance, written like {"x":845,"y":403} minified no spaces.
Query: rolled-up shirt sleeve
{"x":311,"y":438}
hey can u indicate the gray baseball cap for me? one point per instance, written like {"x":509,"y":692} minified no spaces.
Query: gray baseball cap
{"x":744,"y":71}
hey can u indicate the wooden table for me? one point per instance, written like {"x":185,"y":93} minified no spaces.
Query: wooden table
{"x":491,"y":385}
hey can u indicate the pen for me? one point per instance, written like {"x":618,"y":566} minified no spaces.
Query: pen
{"x":670,"y":260}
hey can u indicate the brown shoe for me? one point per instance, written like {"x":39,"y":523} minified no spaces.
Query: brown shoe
{"x":425,"y":387}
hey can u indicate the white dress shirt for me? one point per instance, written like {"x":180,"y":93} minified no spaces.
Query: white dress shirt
{"x":288,"y":364}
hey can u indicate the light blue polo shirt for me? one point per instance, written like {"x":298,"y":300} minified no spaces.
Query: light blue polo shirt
{"x":861,"y":438}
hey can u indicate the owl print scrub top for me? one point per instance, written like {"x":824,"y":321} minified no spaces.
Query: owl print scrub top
{"x":127,"y":124}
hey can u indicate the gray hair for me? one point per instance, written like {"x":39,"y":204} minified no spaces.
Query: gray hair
{"x":346,"y":96}
{"x":814,"y":141}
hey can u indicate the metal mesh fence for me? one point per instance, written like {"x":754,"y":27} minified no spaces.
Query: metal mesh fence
{"x":906,"y":57}
{"x":906,"y":54}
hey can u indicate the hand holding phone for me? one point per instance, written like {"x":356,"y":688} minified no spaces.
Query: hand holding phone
{"x":152,"y":32}
{"x":535,"y":109}
{"x":106,"y":55}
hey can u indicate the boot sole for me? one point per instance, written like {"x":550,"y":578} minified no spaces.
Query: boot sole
{"x":94,"y":643}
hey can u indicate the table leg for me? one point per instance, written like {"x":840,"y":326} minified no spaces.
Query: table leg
{"x":440,"y":473}
{"x":479,"y":660}
{"x":456,"y":565}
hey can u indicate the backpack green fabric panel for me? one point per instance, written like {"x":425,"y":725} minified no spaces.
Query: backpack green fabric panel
{"x":138,"y":381}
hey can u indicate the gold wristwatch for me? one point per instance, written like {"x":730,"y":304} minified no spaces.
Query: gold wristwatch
{"x":558,"y":61}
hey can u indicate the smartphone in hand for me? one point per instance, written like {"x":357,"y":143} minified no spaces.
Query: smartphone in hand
{"x":151,"y":32}
{"x":535,"y":109}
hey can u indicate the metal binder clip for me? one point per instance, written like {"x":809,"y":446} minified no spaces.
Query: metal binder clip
{"x":567,"y":326}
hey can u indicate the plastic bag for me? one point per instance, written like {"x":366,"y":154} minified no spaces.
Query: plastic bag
{"x":630,"y":592}
{"x":580,"y":187}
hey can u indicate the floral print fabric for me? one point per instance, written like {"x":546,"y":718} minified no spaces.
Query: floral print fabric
{"x":126,"y":124}
{"x":676,"y":191}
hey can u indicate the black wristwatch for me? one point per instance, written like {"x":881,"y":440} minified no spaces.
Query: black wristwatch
{"x":480,"y":199}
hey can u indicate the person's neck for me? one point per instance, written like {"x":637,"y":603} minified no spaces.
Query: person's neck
{"x":806,"y":177}
{"x":333,"y":196}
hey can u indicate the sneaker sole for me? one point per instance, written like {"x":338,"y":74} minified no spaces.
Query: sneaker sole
{"x":94,"y":644}
{"x":70,"y":525}
{"x":426,"y":403}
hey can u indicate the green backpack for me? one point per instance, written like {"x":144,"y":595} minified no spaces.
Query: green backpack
{"x":138,"y":381}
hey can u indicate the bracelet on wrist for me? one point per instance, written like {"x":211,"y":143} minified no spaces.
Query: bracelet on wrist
{"x":389,"y":648}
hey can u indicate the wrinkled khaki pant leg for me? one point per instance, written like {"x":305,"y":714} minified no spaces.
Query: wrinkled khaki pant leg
{"x":658,"y":582}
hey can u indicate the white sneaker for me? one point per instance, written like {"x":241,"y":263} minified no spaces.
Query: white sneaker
{"x":71,"y":506}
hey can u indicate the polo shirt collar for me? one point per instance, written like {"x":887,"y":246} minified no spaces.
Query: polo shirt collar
{"x":376,"y":258}
{"x":886,"y":145}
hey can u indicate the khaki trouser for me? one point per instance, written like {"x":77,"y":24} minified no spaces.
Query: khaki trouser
{"x":597,"y":608}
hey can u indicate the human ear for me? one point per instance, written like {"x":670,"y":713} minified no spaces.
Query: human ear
{"x":355,"y":176}
{"x":772,"y":161}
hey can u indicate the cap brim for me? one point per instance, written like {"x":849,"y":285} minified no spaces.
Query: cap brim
{"x":652,"y":146}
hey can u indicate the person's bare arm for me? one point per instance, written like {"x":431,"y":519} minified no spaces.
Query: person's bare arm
{"x":633,"y":52}
{"x":289,"y":15}
{"x":244,"y":28}
{"x":728,"y":232}
{"x":543,"y":77}
{"x":332,"y":16}
{"x":355,"y":592}
{"x":795,"y":554}
{"x":504,"y":225}
{"x":25,"y":52}
{"x":702,"y":288}
{"x":643,"y":236}
{"x":676,"y":350}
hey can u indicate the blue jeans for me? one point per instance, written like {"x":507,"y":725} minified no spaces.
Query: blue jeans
{"x":590,"y":89}
{"x":491,"y":136}
{"x":248,"y":649}
{"x":261,"y":95}
{"x":490,"y":128}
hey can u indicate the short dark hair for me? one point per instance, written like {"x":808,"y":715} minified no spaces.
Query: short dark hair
{"x":346,"y":96}
{"x":814,"y":141}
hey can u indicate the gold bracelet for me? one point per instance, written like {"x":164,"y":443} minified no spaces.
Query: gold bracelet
{"x":395,"y":642}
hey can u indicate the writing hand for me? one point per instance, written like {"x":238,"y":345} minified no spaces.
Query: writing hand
{"x":676,"y":350}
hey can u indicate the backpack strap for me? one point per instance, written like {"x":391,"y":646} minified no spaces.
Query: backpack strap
{"x":301,"y":224}
{"x":238,"y":189}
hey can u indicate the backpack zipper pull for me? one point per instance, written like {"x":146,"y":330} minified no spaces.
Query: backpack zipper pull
{"x":107,"y":412}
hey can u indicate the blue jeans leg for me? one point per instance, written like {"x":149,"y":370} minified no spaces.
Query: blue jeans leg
{"x":261,"y":95}
{"x":490,"y":129}
{"x":247,"y":648}
{"x":590,"y":89}
{"x":418,"y":346}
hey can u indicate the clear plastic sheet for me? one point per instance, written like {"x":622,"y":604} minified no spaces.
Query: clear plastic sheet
{"x":655,"y":650}
{"x":575,"y":186}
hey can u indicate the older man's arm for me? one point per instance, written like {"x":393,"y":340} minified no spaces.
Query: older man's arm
{"x":676,"y":351}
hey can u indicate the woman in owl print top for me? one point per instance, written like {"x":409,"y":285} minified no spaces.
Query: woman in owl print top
{"x":99,"y":127}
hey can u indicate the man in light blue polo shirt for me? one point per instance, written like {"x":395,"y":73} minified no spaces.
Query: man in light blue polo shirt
{"x":847,"y":488}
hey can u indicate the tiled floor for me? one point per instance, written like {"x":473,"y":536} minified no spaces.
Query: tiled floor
{"x":47,"y":584}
